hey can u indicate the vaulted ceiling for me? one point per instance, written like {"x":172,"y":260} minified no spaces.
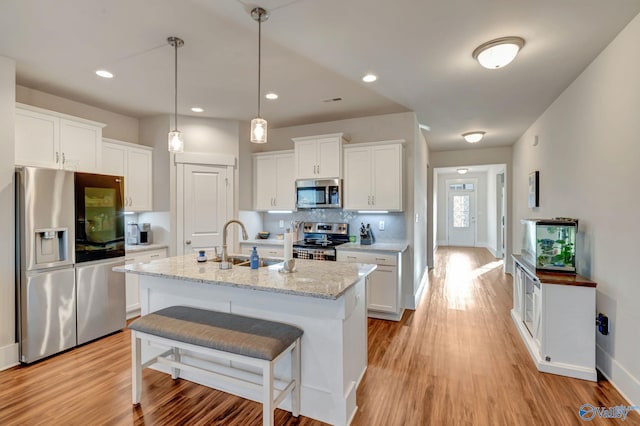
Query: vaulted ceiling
{"x":314,"y":51}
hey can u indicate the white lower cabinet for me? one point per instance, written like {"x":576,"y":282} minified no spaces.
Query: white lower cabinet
{"x":132,"y":293}
{"x":383,"y":284}
{"x":555,"y":316}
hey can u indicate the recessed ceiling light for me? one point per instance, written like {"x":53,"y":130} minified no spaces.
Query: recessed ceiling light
{"x":473,"y":137}
{"x":197,"y":109}
{"x":497,"y":53}
{"x":369,"y":78}
{"x":104,"y":74}
{"x":462,"y":171}
{"x":271,"y":96}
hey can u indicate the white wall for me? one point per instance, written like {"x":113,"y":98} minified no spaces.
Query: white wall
{"x":8,"y":346}
{"x":588,"y":156}
{"x":119,"y":126}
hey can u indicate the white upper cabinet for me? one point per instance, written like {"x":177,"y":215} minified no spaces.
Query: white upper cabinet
{"x":134,"y":162}
{"x":318,"y":157}
{"x":274,"y":181}
{"x":373,"y":176}
{"x":50,"y":139}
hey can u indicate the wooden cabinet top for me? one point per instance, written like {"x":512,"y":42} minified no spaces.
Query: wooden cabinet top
{"x":555,"y":278}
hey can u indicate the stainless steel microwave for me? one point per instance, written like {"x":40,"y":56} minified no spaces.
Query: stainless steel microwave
{"x":319,"y":193}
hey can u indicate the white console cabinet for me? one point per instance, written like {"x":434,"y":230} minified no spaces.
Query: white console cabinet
{"x":555,"y":316}
{"x":50,"y":139}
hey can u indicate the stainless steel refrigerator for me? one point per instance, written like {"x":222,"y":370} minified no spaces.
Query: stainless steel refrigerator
{"x":46,"y":285}
{"x":61,"y":303}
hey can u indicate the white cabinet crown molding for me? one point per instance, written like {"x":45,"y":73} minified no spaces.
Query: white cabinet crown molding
{"x":267,"y":153}
{"x":205,"y":158}
{"x":344,"y":137}
{"x":127,"y":144}
{"x":376,"y":143}
{"x":59,"y":114}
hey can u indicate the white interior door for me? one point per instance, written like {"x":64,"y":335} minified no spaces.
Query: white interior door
{"x":203,"y":206}
{"x":461,"y":217}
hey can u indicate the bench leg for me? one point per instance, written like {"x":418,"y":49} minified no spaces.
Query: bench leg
{"x":136,"y":368}
{"x":267,"y":394}
{"x":175,"y":372}
{"x":296,"y":376}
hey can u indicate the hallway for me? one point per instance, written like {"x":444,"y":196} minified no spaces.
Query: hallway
{"x":457,"y":360}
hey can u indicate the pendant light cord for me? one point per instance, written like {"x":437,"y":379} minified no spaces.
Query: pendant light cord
{"x":175,"y":119}
{"x":259,"y":58}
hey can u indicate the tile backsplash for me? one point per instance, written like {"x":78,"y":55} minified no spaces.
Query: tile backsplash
{"x":394,"y":223}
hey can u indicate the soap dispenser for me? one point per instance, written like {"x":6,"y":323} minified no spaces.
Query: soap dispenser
{"x":254,"y":259}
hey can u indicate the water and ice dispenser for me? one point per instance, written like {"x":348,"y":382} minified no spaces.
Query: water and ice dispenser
{"x":52,"y":245}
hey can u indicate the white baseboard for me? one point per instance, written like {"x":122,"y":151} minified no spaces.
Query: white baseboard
{"x":442,"y":243}
{"x":8,"y":356}
{"x":618,"y":376}
{"x":421,"y":287}
{"x":488,"y":247}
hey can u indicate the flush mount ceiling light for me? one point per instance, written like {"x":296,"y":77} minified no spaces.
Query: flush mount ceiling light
{"x":271,"y":96}
{"x":497,"y":53}
{"x":176,"y":142}
{"x":104,"y":74}
{"x":259,"y":124}
{"x":369,"y":78}
{"x":462,"y":171}
{"x":473,"y":137}
{"x":197,"y":109}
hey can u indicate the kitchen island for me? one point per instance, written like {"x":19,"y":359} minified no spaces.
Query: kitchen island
{"x":325,"y":299}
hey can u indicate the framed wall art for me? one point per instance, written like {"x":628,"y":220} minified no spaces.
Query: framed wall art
{"x":534,"y":189}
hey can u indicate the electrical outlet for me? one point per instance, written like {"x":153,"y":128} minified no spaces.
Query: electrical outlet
{"x":282,"y":224}
{"x":381,"y":225}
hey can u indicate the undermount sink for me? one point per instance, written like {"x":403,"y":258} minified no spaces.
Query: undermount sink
{"x":244,"y":261}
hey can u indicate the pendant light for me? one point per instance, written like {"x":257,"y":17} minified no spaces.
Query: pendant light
{"x":259,"y":124}
{"x":176,"y":142}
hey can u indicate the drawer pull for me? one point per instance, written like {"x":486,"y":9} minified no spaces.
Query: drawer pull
{"x":351,"y":257}
{"x":155,"y":255}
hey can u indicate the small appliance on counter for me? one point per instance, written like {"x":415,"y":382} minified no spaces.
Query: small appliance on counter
{"x":366,"y":235}
{"x":132,"y":233}
{"x":144,"y":234}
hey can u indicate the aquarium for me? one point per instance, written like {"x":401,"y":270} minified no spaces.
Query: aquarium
{"x":550,"y":244}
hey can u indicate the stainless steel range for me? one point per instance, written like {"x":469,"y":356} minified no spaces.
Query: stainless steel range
{"x":320,"y":240}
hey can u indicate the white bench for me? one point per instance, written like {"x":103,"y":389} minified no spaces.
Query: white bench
{"x":230,"y":337}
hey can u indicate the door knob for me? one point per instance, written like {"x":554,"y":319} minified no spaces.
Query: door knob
{"x":187,"y":242}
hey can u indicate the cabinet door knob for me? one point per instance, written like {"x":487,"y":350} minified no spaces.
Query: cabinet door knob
{"x":188,"y":242}
{"x":63,"y":158}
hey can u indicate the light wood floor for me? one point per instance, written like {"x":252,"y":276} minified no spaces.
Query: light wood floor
{"x":457,"y":360}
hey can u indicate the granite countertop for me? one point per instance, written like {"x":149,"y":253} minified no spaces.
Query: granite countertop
{"x":324,"y":280}
{"x":395,"y":247}
{"x":143,"y":247}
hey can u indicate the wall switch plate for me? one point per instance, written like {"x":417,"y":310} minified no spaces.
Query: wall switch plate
{"x":282,"y":224}
{"x":381,"y":225}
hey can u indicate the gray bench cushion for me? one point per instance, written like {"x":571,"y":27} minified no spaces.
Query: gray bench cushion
{"x":252,"y":337}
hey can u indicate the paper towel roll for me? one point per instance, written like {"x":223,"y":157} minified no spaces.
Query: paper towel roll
{"x":288,"y":245}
